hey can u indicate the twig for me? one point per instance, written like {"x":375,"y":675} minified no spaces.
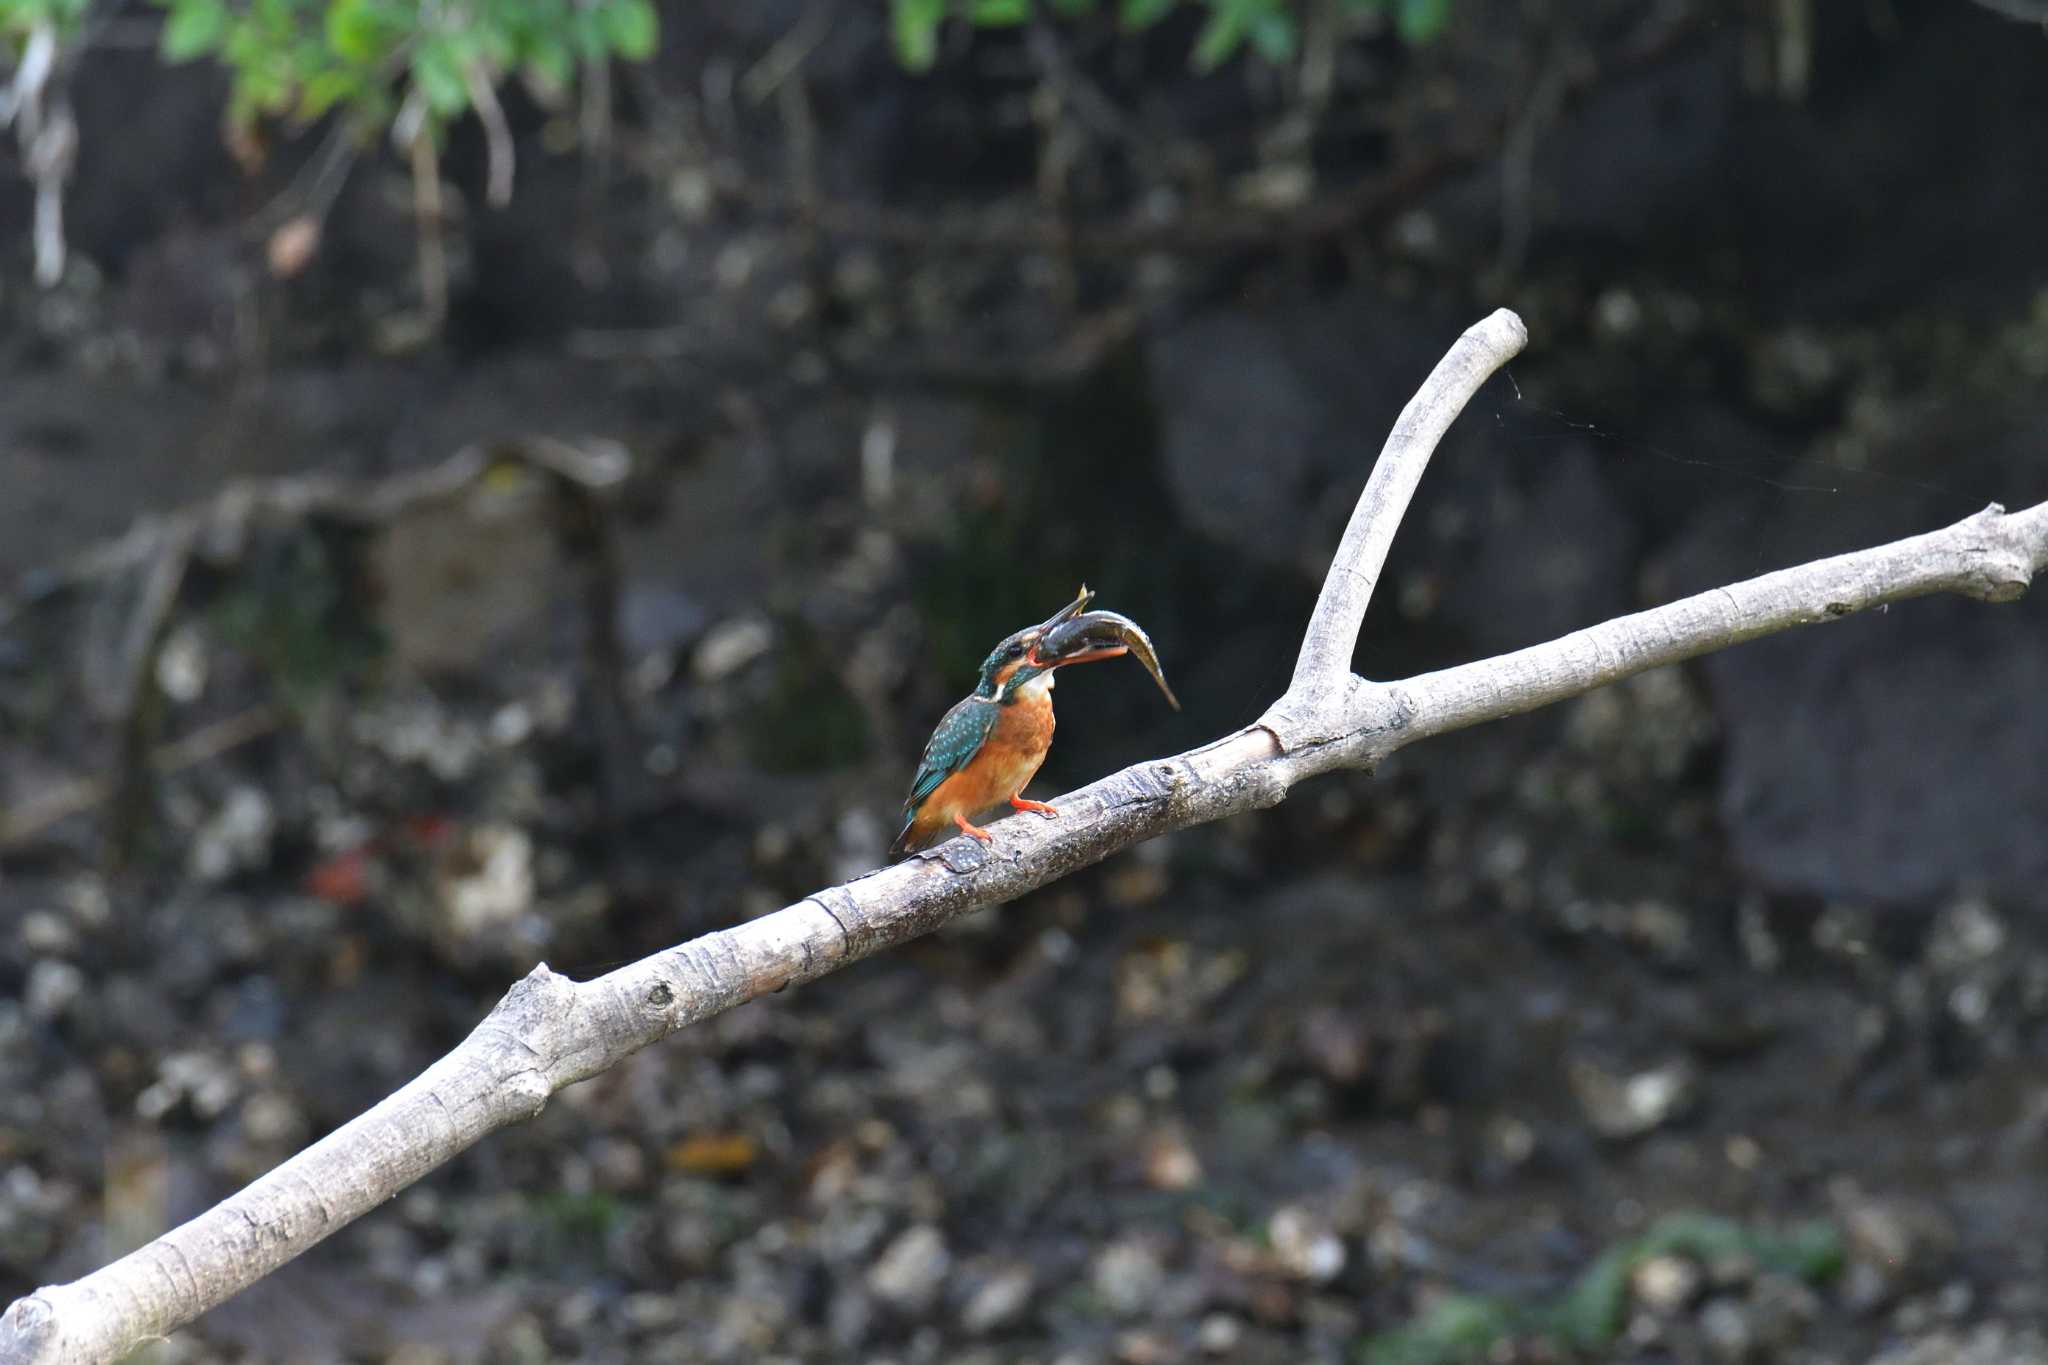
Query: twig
{"x":550,"y":1032}
{"x":36,"y":103}
{"x":314,"y":185}
{"x":765,"y":77}
{"x":433,"y":251}
{"x":498,"y":153}
{"x":20,"y":824}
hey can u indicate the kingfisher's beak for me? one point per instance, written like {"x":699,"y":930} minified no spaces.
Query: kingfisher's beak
{"x":1068,"y":612}
{"x":1059,"y":618}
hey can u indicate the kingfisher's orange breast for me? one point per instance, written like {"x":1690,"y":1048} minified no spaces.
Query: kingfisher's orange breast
{"x":1008,"y":759}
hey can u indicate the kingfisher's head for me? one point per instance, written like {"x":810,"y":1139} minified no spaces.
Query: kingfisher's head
{"x":1016,"y":661}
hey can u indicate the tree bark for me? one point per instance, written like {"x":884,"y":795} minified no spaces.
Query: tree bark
{"x":549,"y":1032}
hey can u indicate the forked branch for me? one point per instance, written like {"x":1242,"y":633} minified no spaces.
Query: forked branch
{"x":549,"y":1032}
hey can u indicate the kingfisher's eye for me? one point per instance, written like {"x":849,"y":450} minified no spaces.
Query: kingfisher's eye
{"x":1012,"y":650}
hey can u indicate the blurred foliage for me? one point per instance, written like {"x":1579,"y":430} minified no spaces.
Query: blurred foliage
{"x":1270,"y":28}
{"x":809,"y":721}
{"x":19,"y":18}
{"x":1590,"y":1314}
{"x":298,"y":612}
{"x":372,"y":58}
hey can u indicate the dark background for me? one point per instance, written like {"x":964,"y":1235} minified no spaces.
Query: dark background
{"x":1575,"y":1014}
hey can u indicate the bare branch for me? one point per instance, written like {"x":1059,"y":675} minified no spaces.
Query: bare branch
{"x":1325,"y":659}
{"x":549,"y":1032}
{"x":500,"y":158}
{"x":1991,"y":556}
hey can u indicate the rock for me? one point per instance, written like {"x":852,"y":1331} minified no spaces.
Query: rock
{"x":1724,"y":1324}
{"x":1902,"y":1241}
{"x":1835,"y":738}
{"x":1338,"y":1043}
{"x":1219,"y":1334}
{"x":237,"y":837}
{"x":45,"y":931}
{"x":1143,"y":1348}
{"x":1865,"y":1288}
{"x":1298,"y":385}
{"x":464,"y":579}
{"x":491,"y":884}
{"x":53,"y":985}
{"x":657,"y":618}
{"x":999,"y":1301}
{"x":1666,"y":1285}
{"x":850,"y":1317}
{"x":1128,"y":1276}
{"x":1990,"y":1343}
{"x":1508,"y":578}
{"x":1628,"y":1104}
{"x":1781,"y":1310}
{"x":1304,"y":1244}
{"x":911,"y":1271}
{"x":730,"y":646}
{"x":208,"y":1082}
{"x":1965,"y":933}
{"x":1169,"y":1162}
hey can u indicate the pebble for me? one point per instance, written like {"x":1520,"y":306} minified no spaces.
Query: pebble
{"x":1128,"y":1276}
{"x":53,"y":985}
{"x":1894,"y":1243}
{"x":496,"y":885}
{"x":1665,"y":1284}
{"x":912,"y":1269}
{"x":730,"y":646}
{"x":1724,"y":1323}
{"x":1781,"y":1310}
{"x":1305,"y":1246}
{"x":1170,"y":1164}
{"x":1991,"y":1343}
{"x":1625,"y":1105}
{"x":1000,"y":1301}
{"x":1219,"y":1334}
{"x":45,"y":931}
{"x":236,"y":839}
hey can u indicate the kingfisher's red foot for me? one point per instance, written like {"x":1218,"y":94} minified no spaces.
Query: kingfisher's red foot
{"x":1041,"y":807}
{"x":976,"y":831}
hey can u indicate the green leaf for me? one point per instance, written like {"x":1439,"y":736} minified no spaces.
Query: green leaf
{"x":1220,"y":38}
{"x":1142,"y":14}
{"x":587,"y":31}
{"x":1591,"y":1314}
{"x":632,"y":27}
{"x":1460,"y":1328}
{"x":262,"y":89}
{"x":1273,"y":35}
{"x":325,"y":89}
{"x":551,"y":63}
{"x":438,"y":73}
{"x":914,"y":28}
{"x":1421,"y":21}
{"x":1073,"y":9}
{"x":193,"y":29}
{"x":1000,"y":13}
{"x":360,"y":31}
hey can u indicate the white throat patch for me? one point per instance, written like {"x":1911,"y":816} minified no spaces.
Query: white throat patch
{"x":1036,"y":688}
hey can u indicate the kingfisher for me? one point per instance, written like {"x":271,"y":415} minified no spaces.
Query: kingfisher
{"x":990,"y":745}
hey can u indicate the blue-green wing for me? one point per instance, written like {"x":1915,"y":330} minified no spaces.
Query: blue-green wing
{"x":959,"y":738}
